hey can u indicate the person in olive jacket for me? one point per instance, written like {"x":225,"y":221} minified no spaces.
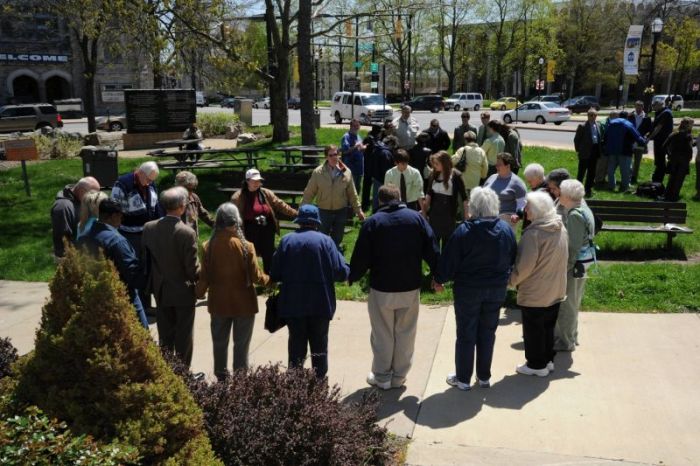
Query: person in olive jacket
{"x":229,"y":272}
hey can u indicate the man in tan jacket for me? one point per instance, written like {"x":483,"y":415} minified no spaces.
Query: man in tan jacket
{"x":170,"y":249}
{"x":332,"y":186}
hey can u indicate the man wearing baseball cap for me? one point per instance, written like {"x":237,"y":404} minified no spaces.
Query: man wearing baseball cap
{"x":307,"y":263}
{"x":260,"y":209}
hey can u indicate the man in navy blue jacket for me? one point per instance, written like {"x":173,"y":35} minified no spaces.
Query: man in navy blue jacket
{"x":620,"y":135}
{"x":392,"y":244}
{"x":307,"y":263}
{"x":105,"y":235}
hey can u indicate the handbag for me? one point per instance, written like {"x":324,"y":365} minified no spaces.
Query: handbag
{"x":273,"y":321}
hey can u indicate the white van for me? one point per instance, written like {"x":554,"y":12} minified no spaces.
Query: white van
{"x":465,"y":101}
{"x":369,"y":107}
{"x":201,"y":99}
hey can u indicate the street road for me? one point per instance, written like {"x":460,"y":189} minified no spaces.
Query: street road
{"x":544,"y":135}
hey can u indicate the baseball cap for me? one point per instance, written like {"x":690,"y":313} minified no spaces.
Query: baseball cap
{"x":253,"y":174}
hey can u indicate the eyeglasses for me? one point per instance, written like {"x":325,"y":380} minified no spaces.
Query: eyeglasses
{"x":332,"y":154}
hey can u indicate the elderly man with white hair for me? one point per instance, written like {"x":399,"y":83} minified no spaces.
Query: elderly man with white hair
{"x":534,"y":177}
{"x":406,"y":128}
{"x":171,"y":249}
{"x":478,"y":258}
{"x":540,"y":278}
{"x":65,"y":212}
{"x":580,"y":225}
{"x":137,"y":193}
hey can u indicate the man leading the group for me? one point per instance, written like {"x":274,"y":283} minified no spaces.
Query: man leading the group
{"x":392,"y":245}
{"x":406,"y":128}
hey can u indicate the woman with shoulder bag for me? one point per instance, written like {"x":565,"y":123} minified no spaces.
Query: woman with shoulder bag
{"x":580,"y":226}
{"x":229,"y":272}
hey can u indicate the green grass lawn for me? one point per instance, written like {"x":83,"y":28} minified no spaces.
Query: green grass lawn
{"x":631,"y":286}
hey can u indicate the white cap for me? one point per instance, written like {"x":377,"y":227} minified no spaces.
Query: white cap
{"x":253,"y":174}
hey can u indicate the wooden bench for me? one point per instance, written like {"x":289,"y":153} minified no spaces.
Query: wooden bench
{"x":294,"y":167}
{"x":660,"y":217}
{"x":177,"y":166}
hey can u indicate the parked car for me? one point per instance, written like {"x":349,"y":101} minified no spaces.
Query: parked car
{"x":227,"y":102}
{"x":556,"y":98}
{"x":111,"y":123}
{"x":431,"y":102}
{"x":677,"y":100}
{"x":28,"y":117}
{"x":69,"y":108}
{"x":581,"y":104}
{"x":201,"y":99}
{"x":262,"y":103}
{"x":539,"y":112}
{"x":294,"y":103}
{"x":464,"y":101}
{"x":504,"y":103}
{"x":368,"y":107}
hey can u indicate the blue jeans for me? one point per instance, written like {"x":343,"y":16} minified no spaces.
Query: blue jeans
{"x":333,"y":224}
{"x":625,"y":164}
{"x":476,"y":313}
{"x":140,"y":312}
{"x":308,"y":333}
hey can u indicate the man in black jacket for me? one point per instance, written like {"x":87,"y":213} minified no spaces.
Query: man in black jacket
{"x":65,"y":212}
{"x":392,"y":245}
{"x":588,"y":142}
{"x":458,"y":139}
{"x":642,"y":122}
{"x":439,"y":139}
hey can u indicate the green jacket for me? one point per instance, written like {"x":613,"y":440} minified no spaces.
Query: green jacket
{"x":581,"y":226}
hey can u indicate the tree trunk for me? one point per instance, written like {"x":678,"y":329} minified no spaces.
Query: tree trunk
{"x":88,"y":49}
{"x":306,"y":72}
{"x":279,"y":70}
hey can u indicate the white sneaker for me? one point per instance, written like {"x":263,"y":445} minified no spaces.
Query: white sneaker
{"x":484,"y":383}
{"x":550,"y":366}
{"x":452,"y":381}
{"x":525,"y":370}
{"x":373,"y":382}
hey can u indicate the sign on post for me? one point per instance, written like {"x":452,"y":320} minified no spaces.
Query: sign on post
{"x":374,"y":67}
{"x":551,"y":68}
{"x":352,"y":84}
{"x":357,"y":64}
{"x":22,"y":150}
{"x":633,"y":46}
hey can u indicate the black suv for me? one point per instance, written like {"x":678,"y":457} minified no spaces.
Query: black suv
{"x":434,"y":103}
{"x":581,"y":104}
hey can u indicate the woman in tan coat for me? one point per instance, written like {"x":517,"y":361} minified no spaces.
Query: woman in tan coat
{"x":540,"y":277}
{"x":259,"y":208}
{"x":229,"y":271}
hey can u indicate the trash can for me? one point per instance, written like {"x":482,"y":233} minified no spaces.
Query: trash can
{"x":317,"y":119}
{"x":246,"y":111}
{"x":100,"y":162}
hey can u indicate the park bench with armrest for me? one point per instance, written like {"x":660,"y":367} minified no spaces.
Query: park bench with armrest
{"x":626,"y":216}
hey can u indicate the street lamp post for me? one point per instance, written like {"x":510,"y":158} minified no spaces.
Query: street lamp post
{"x":317,"y":57}
{"x":656,"y":27}
{"x":539,"y":79}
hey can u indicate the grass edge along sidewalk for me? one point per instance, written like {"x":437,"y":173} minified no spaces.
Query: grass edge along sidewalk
{"x":621,"y":287}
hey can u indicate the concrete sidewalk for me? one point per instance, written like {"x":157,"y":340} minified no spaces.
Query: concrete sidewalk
{"x":627,"y":395}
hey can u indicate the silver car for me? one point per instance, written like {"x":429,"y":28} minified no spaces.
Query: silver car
{"x":28,"y":117}
{"x":112,"y":123}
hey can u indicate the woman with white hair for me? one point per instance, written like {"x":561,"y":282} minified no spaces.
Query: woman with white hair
{"x":195,"y":209}
{"x":534,"y":177}
{"x":478,"y":258}
{"x":540,"y":278}
{"x":89,"y":211}
{"x":229,"y":272}
{"x":580,"y":226}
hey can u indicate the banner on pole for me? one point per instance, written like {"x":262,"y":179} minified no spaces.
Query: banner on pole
{"x":633,"y":46}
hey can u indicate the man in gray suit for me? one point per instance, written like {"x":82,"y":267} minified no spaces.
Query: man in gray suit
{"x":170,"y":248}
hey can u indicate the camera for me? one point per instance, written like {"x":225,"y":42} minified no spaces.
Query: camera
{"x":579,"y":270}
{"x":261,"y":220}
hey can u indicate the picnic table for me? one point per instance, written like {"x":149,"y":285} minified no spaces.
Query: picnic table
{"x":179,"y":143}
{"x":223,"y":157}
{"x":303,"y":154}
{"x":294,"y":167}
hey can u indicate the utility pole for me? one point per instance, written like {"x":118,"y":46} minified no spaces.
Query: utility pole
{"x":357,"y":45}
{"x":410,"y":80}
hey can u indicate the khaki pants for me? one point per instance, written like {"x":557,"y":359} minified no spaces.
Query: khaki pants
{"x":566,"y":330}
{"x":394,"y":317}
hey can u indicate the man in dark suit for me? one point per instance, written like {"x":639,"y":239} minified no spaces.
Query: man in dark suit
{"x":170,"y":247}
{"x":458,"y":140}
{"x":587,"y":142}
{"x":661,"y":130}
{"x":642,"y":122}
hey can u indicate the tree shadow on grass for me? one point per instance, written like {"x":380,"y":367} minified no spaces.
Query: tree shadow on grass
{"x":642,"y":255}
{"x":454,"y":406}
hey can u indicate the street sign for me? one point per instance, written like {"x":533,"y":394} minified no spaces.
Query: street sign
{"x":22,"y":150}
{"x":352,"y":84}
{"x":357,"y":64}
{"x":374,"y":85}
{"x":539,"y":84}
{"x":366,"y":47}
{"x":374,"y":67}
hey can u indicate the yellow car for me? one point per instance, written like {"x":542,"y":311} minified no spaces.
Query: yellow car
{"x":505,"y":103}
